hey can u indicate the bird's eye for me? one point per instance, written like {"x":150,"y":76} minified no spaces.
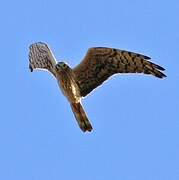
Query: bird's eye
{"x":61,"y":65}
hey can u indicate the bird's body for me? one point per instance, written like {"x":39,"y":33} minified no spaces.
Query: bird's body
{"x":98,"y":65}
{"x":67,"y":82}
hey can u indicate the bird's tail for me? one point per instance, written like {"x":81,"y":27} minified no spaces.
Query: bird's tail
{"x":81,"y":117}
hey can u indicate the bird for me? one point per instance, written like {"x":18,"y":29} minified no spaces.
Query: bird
{"x":97,"y":66}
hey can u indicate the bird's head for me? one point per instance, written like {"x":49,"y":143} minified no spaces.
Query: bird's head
{"x":60,"y":66}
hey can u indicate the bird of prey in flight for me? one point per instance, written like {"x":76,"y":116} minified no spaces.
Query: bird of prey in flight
{"x":97,"y":66}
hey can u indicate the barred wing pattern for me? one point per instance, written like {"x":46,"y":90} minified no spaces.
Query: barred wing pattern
{"x":100,"y":63}
{"x":41,"y":57}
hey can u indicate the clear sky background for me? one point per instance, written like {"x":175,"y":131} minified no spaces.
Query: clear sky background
{"x":135,"y":118}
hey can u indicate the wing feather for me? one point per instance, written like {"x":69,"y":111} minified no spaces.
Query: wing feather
{"x":41,"y":57}
{"x":100,"y":63}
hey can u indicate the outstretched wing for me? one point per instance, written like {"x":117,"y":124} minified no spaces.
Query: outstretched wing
{"x":41,"y":57}
{"x":100,"y":63}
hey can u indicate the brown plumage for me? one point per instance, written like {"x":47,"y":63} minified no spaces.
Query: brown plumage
{"x":97,"y":66}
{"x":81,"y":117}
{"x":101,"y":63}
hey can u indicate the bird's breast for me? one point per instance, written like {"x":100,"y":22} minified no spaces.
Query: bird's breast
{"x":69,"y":86}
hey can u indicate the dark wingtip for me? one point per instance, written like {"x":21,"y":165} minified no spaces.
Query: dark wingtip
{"x":160,"y":75}
{"x":163,"y":76}
{"x":30,"y":67}
{"x":158,"y":70}
{"x":159,"y":67}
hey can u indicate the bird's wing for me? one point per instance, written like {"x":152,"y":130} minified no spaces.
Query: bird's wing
{"x":41,"y":57}
{"x":100,"y":63}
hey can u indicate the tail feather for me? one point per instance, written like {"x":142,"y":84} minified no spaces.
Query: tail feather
{"x":81,"y":117}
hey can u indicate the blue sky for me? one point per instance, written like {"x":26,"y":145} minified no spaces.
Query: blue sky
{"x":135,"y":118}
